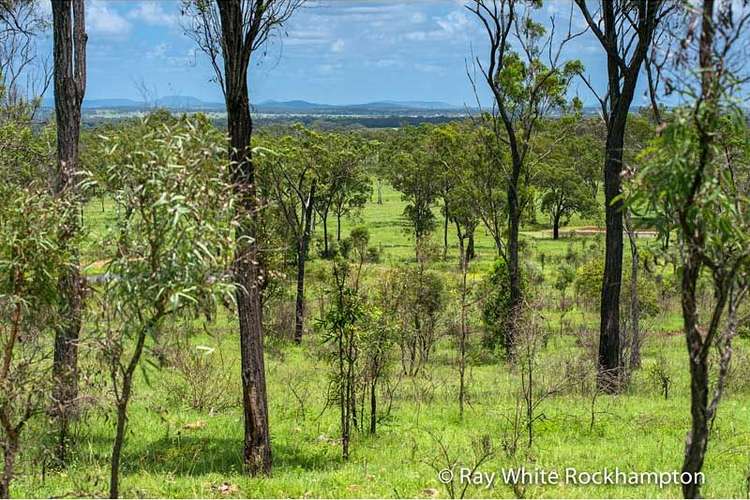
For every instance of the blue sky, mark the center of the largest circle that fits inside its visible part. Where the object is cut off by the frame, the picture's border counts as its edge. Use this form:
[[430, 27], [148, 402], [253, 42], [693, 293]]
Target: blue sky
[[332, 51]]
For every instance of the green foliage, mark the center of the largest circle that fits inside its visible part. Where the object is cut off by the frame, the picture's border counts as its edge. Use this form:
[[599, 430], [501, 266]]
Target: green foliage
[[496, 304], [588, 287]]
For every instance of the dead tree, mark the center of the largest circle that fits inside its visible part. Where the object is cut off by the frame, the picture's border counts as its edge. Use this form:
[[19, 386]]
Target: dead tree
[[70, 84], [230, 32]]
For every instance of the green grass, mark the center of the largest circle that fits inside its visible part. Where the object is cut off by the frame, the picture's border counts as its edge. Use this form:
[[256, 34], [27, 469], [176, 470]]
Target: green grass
[[175, 451]]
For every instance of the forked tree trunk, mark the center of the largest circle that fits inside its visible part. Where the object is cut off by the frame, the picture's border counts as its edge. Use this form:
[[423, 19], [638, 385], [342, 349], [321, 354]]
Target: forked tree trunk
[[257, 446], [70, 83]]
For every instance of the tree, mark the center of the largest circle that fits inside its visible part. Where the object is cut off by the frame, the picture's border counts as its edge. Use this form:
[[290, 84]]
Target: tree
[[695, 185], [525, 87], [562, 176], [292, 178], [442, 144], [70, 84], [415, 178], [32, 260], [232, 31], [625, 31], [169, 249]]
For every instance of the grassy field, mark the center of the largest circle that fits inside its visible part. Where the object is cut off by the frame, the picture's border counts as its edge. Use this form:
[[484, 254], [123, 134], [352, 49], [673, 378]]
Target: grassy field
[[173, 450]]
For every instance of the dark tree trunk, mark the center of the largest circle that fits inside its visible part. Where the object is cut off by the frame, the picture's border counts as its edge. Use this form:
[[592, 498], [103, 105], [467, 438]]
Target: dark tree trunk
[[257, 445], [10, 449], [610, 362], [70, 84], [373, 407], [470, 252], [299, 325], [114, 477], [514, 270], [697, 439], [445, 231], [556, 227], [338, 226]]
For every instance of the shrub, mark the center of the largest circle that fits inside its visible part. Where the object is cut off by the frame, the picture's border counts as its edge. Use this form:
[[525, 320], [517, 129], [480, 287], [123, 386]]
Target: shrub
[[496, 306]]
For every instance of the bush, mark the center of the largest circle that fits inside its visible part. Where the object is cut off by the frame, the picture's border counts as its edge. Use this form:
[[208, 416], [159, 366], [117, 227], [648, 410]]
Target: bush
[[588, 288], [496, 305]]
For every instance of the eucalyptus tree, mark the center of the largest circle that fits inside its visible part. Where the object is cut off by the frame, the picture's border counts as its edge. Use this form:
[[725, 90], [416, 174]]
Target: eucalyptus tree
[[442, 145], [625, 30], [563, 176], [291, 179], [169, 249], [33, 259], [527, 80], [230, 32], [695, 185], [414, 177]]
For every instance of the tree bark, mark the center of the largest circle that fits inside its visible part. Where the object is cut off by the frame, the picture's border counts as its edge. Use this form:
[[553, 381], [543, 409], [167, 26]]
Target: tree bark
[[69, 34], [236, 56]]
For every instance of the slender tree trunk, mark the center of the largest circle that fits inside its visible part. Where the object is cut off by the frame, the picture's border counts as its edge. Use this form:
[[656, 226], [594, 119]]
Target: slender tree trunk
[[70, 84], [380, 192], [338, 226], [470, 252], [464, 333], [445, 230], [635, 306], [114, 477], [514, 270], [373, 407], [324, 218], [697, 439], [299, 325]]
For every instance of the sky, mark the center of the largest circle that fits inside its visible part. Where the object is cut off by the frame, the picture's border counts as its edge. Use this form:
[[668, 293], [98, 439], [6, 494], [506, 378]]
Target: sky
[[331, 52]]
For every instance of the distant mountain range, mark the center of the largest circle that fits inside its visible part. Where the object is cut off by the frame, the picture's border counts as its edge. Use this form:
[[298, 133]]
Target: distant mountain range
[[189, 103]]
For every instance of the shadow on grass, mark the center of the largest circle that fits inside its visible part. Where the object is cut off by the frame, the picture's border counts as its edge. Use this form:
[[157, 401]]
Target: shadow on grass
[[195, 456]]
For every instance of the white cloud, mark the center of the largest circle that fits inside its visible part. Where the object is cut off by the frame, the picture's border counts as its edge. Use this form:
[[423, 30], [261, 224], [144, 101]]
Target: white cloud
[[101, 20], [151, 12], [337, 46]]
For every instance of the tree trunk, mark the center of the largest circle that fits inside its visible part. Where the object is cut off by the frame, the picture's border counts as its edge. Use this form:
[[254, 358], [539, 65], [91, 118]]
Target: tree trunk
[[470, 252], [326, 251], [556, 227], [114, 476], [635, 307], [373, 407], [380, 192], [70, 83], [10, 449], [445, 231], [301, 259], [338, 226], [236, 56], [514, 270], [610, 362]]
